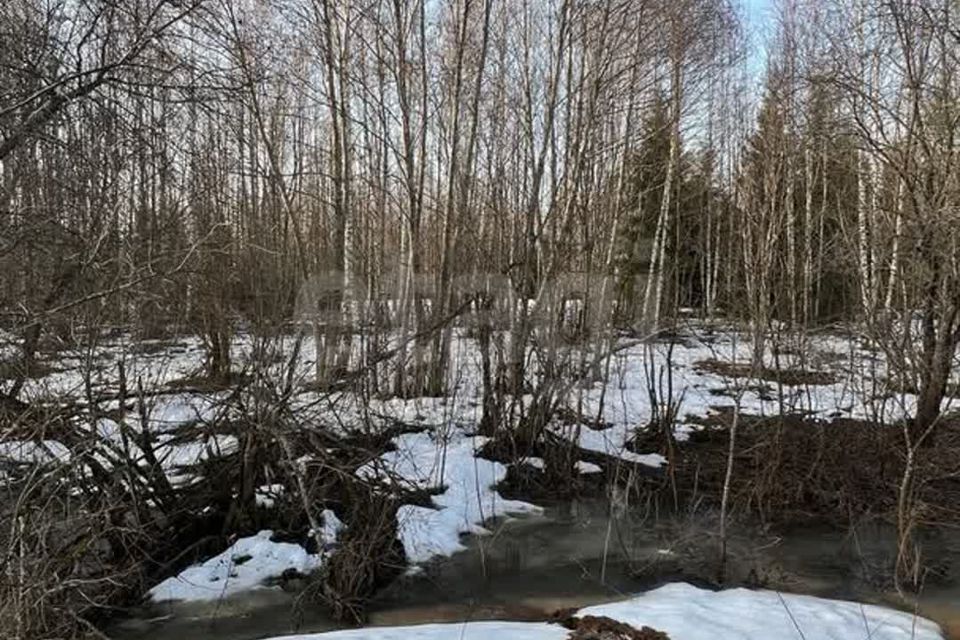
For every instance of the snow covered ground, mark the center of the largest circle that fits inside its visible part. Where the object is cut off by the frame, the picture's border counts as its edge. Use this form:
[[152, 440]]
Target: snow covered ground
[[442, 457], [684, 612], [246, 565], [465, 631], [468, 500], [624, 402]]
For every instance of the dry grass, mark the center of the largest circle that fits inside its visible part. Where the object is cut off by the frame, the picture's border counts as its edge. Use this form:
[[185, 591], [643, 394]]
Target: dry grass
[[789, 376], [793, 466], [604, 628]]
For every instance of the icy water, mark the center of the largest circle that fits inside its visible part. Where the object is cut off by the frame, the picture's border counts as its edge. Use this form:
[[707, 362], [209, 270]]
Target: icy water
[[578, 555]]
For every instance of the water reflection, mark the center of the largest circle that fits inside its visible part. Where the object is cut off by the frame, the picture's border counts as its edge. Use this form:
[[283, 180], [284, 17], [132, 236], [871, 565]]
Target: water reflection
[[577, 555]]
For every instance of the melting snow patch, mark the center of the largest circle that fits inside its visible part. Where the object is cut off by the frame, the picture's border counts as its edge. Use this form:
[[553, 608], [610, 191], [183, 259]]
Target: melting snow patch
[[469, 498], [245, 565], [687, 613], [613, 442], [581, 466], [465, 631], [684, 612], [329, 529], [172, 412], [34, 452], [268, 494], [536, 463], [588, 467]]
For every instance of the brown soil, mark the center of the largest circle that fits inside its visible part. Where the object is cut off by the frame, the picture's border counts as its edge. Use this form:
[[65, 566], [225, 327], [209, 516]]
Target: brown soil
[[788, 377], [604, 628], [796, 466], [559, 480]]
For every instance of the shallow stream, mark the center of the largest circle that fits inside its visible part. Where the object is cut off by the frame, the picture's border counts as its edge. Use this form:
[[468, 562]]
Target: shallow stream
[[578, 554]]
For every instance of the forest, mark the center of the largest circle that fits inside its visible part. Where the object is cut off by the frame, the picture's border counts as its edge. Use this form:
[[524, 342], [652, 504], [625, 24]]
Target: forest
[[485, 315]]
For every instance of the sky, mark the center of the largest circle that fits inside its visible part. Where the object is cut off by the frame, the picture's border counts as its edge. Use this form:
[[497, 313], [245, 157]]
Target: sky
[[759, 13], [759, 16]]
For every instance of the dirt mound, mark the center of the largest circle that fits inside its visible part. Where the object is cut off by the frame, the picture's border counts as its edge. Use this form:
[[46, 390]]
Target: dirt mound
[[604, 628]]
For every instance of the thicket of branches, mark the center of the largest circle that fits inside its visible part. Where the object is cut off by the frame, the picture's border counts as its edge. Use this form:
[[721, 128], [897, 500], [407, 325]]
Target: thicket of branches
[[192, 166], [385, 167]]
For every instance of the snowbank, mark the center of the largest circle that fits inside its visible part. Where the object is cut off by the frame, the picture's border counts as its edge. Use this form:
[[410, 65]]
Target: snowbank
[[688, 613], [245, 565], [469, 499], [463, 631]]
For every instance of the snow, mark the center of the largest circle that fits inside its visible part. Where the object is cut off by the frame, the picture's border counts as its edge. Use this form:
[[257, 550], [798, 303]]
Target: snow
[[176, 457], [580, 466], [33, 452], [420, 461], [685, 612], [469, 499], [536, 463], [442, 458], [624, 403], [172, 412], [246, 565], [329, 529], [464, 631], [612, 442], [267, 495], [587, 467], [229, 572]]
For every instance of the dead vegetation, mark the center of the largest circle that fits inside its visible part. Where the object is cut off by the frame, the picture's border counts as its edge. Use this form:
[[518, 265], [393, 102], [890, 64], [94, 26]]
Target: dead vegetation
[[367, 557], [559, 478], [796, 467], [604, 628], [89, 534], [782, 376]]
